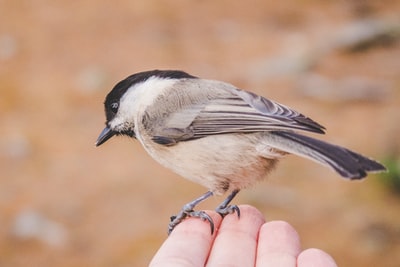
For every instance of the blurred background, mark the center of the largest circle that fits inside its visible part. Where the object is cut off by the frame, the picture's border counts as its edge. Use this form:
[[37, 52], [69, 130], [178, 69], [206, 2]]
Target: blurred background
[[64, 202]]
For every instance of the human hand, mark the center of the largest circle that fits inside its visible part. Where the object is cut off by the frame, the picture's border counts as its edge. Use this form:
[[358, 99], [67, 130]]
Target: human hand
[[248, 241]]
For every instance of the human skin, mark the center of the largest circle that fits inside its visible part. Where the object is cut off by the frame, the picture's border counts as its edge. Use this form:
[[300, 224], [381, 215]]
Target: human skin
[[244, 241]]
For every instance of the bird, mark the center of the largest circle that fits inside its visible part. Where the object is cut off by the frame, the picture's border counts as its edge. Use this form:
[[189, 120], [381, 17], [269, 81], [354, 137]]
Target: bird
[[217, 135]]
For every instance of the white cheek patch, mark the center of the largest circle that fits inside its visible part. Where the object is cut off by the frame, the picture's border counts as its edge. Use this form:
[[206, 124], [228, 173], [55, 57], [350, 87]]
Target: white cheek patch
[[136, 100], [142, 95]]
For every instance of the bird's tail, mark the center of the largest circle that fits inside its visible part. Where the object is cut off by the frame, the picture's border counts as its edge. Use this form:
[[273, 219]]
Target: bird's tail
[[345, 162]]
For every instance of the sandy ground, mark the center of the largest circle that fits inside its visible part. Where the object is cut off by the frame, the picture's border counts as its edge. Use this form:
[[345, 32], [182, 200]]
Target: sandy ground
[[64, 202]]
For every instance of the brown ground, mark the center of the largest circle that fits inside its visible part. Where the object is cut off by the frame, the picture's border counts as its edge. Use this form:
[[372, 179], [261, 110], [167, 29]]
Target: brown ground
[[64, 202]]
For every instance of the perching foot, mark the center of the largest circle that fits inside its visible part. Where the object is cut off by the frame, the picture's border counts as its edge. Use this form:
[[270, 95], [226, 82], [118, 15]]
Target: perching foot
[[187, 211], [175, 220], [223, 211], [224, 208]]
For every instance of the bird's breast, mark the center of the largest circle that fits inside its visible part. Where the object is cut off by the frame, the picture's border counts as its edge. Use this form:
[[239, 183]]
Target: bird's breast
[[219, 162]]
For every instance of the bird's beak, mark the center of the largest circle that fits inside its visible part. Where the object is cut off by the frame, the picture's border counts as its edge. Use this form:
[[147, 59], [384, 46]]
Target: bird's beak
[[106, 134]]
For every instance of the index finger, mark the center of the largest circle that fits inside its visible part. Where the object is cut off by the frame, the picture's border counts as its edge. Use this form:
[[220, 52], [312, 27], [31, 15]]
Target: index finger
[[188, 244]]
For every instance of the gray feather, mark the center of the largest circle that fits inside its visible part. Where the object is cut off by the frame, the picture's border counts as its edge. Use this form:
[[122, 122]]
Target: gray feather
[[200, 110], [344, 161]]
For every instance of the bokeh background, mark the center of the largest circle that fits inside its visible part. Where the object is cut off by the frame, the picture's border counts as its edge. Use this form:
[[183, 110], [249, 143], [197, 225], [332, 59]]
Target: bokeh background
[[64, 202]]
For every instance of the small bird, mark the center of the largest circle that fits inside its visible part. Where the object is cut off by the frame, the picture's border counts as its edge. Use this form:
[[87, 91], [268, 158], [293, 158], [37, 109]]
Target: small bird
[[217, 135]]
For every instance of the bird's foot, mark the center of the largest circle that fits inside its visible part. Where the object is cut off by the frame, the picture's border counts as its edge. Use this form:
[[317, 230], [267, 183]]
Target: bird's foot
[[225, 210], [188, 211], [177, 219]]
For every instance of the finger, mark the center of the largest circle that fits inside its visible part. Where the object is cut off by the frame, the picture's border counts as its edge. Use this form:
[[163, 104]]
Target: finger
[[278, 245], [315, 257], [188, 244], [236, 241]]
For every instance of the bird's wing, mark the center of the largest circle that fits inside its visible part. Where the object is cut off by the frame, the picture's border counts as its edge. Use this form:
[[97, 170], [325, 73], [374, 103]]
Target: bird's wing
[[228, 111]]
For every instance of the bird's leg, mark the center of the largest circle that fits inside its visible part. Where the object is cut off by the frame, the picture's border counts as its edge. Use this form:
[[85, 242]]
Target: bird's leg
[[224, 208], [187, 211]]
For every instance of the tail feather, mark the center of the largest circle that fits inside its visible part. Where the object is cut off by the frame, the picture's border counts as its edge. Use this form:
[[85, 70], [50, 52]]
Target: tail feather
[[347, 163]]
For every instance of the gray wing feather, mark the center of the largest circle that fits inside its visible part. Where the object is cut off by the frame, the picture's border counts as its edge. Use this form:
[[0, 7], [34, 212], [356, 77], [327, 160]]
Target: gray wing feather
[[248, 112], [224, 110]]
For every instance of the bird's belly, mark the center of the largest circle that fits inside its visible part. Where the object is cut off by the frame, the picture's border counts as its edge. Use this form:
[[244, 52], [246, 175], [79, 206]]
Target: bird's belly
[[221, 162]]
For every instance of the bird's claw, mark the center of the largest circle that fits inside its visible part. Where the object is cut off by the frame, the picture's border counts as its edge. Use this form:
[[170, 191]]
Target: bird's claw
[[177, 219], [225, 210]]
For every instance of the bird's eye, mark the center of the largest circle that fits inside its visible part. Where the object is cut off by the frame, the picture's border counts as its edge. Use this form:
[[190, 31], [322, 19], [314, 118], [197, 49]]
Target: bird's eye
[[114, 107]]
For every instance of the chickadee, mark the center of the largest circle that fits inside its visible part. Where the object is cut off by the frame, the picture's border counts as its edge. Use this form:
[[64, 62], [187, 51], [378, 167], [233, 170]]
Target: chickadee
[[217, 135]]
